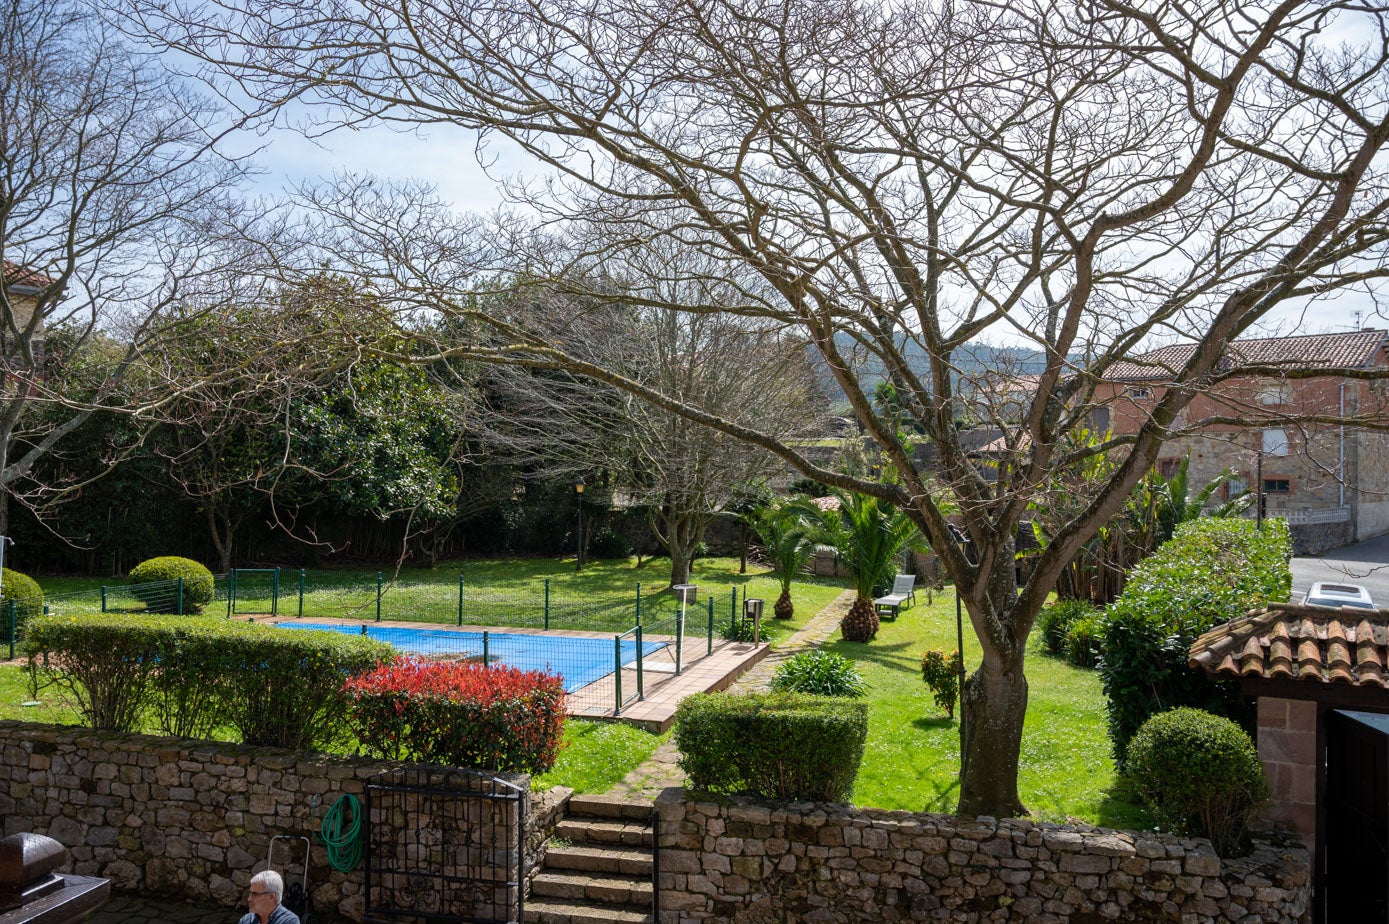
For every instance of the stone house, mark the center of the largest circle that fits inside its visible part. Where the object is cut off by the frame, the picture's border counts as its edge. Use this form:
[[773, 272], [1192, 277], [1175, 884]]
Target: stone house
[[1321, 680], [1270, 417], [20, 291]]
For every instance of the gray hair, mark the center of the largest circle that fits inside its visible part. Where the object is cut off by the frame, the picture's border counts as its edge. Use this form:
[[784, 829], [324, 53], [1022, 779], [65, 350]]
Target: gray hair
[[272, 882]]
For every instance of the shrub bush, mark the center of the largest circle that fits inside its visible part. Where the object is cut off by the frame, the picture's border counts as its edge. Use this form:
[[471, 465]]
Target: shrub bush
[[941, 674], [1085, 640], [1199, 774], [777, 745], [1055, 621], [459, 714], [607, 544], [820, 673], [148, 578], [1211, 571], [27, 597], [274, 686]]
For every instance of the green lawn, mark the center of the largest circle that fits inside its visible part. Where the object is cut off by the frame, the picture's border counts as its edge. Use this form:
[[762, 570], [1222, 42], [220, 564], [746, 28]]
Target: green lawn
[[912, 756]]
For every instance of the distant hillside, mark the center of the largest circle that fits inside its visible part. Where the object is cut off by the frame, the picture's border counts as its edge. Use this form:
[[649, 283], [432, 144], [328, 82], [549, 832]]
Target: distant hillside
[[973, 359]]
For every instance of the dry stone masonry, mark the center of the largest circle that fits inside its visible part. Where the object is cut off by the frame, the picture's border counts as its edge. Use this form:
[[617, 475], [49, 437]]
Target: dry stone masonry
[[188, 819], [741, 861]]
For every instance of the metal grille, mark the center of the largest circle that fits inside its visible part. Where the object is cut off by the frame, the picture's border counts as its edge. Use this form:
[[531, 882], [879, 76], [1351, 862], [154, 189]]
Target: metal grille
[[444, 845]]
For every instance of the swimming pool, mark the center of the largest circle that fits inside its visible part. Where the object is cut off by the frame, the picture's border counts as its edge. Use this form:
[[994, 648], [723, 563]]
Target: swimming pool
[[580, 660]]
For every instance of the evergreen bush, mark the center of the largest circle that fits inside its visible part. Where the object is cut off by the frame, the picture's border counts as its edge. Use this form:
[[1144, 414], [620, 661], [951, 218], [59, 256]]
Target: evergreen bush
[[149, 583], [500, 719], [1199, 774], [1085, 640], [941, 674], [776, 745], [1054, 622], [27, 596], [820, 673], [1211, 571]]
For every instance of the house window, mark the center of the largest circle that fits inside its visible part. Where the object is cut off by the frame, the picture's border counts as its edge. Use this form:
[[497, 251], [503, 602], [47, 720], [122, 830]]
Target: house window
[[1139, 393], [1274, 395], [1276, 442], [1168, 467], [1235, 486], [1278, 486]]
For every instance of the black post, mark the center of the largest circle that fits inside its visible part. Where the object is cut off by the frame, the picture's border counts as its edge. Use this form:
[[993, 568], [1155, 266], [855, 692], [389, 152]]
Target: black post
[[1259, 487], [579, 497], [960, 648]]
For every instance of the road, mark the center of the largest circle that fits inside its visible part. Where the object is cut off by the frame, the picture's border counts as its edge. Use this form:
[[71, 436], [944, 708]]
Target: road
[[1364, 563]]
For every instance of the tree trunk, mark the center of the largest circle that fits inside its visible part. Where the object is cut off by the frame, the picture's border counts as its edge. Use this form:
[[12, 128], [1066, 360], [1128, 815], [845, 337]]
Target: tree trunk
[[994, 704], [220, 541]]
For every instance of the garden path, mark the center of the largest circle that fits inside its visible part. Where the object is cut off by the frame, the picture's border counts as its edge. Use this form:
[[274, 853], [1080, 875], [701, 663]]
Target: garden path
[[662, 770]]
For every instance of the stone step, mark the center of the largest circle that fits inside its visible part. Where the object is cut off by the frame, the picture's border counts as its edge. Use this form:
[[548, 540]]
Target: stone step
[[550, 912], [594, 887], [628, 861], [579, 830], [602, 806]]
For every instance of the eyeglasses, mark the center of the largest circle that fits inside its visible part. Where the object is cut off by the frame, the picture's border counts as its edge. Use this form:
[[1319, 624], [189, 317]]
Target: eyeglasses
[[252, 893]]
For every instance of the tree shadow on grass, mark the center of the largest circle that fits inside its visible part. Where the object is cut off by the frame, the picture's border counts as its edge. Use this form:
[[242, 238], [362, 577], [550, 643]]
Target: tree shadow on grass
[[933, 723]]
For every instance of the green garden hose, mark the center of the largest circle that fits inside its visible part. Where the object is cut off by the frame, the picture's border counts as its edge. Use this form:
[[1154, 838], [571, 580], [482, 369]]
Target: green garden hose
[[342, 833]]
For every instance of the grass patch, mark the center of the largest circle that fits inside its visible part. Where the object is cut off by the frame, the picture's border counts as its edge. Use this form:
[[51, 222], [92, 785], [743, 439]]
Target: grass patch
[[912, 757], [598, 755]]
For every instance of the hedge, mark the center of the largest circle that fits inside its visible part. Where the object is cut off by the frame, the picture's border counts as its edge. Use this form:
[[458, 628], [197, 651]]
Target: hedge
[[777, 745], [188, 675], [459, 714], [1211, 571], [147, 577], [27, 597], [1199, 774]]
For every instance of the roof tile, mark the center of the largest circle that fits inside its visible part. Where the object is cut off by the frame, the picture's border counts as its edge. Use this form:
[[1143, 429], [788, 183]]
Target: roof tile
[[1312, 643], [1345, 350], [16, 275]]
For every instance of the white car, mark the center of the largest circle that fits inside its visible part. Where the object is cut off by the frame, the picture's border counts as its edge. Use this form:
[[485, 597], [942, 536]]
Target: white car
[[1325, 593]]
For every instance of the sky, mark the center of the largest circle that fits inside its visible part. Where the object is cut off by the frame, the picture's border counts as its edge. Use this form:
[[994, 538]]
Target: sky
[[447, 158]]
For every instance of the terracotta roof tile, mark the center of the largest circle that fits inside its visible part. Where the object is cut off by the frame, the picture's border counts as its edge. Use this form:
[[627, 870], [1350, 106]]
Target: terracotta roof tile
[[1312, 643], [1350, 349], [16, 275]]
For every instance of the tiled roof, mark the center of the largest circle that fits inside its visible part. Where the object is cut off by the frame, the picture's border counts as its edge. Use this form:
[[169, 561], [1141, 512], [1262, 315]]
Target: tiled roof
[[1350, 349], [1312, 643], [16, 275]]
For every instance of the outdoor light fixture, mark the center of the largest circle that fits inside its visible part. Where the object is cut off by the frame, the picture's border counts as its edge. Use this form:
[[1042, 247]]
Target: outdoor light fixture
[[752, 609], [579, 496]]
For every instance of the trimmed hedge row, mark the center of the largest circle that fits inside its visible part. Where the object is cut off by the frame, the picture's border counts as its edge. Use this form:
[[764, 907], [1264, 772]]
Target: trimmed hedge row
[[195, 673], [1211, 571], [459, 714], [777, 745]]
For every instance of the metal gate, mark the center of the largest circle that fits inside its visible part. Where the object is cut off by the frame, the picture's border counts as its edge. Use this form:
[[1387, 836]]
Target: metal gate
[[444, 845], [1356, 854]]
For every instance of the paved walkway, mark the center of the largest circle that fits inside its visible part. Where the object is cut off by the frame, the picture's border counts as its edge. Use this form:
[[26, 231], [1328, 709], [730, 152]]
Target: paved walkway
[[662, 769]]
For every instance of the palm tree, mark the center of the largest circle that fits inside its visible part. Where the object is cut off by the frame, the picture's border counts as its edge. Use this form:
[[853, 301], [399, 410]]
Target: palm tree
[[786, 541], [869, 535]]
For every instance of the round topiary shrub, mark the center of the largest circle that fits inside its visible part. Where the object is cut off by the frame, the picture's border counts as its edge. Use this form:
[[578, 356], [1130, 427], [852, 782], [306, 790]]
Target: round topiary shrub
[[822, 673], [150, 583], [1199, 774], [27, 597]]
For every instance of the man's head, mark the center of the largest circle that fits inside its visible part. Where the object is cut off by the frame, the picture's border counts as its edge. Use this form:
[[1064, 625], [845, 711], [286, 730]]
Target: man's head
[[265, 891]]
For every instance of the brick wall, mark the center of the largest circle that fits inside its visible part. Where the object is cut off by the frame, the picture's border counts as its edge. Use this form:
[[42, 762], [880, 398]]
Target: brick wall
[[738, 860], [189, 819], [1288, 750]]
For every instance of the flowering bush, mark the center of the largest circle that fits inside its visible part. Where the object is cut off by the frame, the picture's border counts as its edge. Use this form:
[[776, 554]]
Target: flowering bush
[[459, 714]]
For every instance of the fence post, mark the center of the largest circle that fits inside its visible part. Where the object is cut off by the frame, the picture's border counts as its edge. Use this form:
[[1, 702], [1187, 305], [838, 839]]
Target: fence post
[[301, 594], [679, 637], [547, 604], [231, 592], [378, 596], [639, 603], [486, 661], [275, 592], [13, 629], [641, 692], [617, 674], [460, 600], [180, 596], [103, 598], [710, 600]]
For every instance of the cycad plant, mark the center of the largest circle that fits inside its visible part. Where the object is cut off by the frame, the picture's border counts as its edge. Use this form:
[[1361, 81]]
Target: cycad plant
[[786, 541], [869, 536]]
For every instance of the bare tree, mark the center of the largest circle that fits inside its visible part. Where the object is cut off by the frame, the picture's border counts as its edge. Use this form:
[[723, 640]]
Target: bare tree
[[113, 205], [1080, 177]]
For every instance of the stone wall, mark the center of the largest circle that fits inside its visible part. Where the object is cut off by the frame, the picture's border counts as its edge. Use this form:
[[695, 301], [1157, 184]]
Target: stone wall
[[189, 819], [742, 861], [1316, 538]]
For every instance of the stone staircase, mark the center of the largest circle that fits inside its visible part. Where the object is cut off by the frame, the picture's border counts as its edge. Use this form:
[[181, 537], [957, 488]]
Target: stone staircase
[[603, 876]]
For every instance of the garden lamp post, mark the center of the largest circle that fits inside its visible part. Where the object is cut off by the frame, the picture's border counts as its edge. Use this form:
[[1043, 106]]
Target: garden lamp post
[[964, 543], [579, 496]]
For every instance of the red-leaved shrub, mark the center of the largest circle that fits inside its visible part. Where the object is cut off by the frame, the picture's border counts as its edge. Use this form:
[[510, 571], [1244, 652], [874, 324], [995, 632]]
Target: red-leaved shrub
[[459, 715]]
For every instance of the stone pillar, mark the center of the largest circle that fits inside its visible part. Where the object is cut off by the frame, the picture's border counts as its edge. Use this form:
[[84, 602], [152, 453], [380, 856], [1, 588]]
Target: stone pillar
[[1288, 751]]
